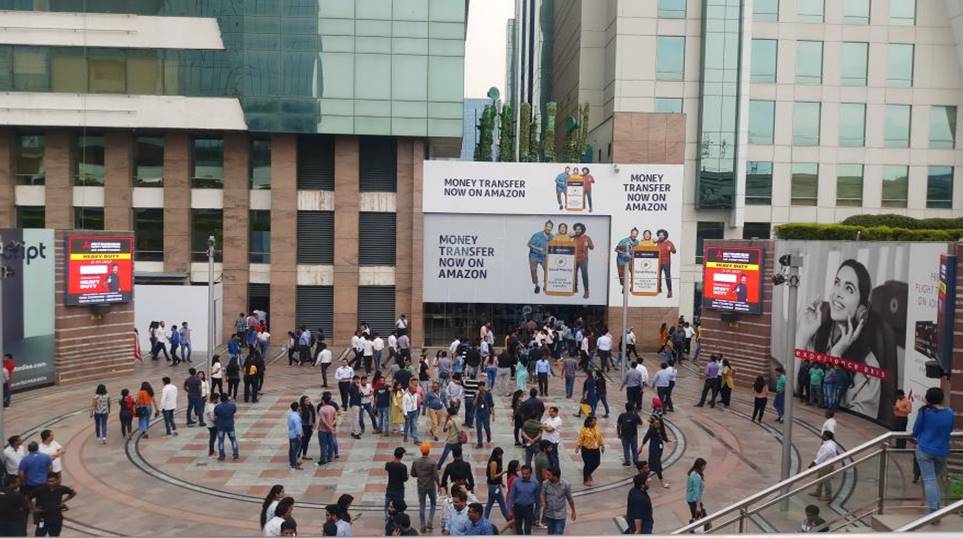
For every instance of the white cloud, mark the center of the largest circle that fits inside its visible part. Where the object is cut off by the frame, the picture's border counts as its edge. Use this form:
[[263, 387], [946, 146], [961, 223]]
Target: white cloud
[[485, 46]]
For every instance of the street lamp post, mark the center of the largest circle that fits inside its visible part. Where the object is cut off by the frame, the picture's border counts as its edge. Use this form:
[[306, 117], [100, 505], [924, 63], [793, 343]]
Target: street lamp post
[[625, 315], [210, 303], [793, 262]]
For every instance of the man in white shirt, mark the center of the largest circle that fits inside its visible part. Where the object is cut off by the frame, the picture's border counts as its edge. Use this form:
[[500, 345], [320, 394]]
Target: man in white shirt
[[551, 425], [12, 454], [343, 376], [827, 451], [630, 345], [453, 348], [53, 449], [409, 405], [401, 324], [604, 346], [357, 345], [367, 351], [377, 346], [830, 424], [168, 405], [324, 360], [689, 332], [645, 373]]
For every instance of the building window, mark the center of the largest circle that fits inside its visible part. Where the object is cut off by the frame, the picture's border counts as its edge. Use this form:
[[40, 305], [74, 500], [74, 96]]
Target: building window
[[759, 183], [669, 57], [31, 71], [667, 105], [89, 161], [757, 230], [259, 242], [90, 70], [376, 238], [810, 10], [707, 230], [805, 124], [89, 218], [207, 161], [672, 9], [939, 187], [849, 185], [107, 70], [149, 234], [205, 223], [316, 237], [902, 12], [765, 10], [376, 307], [316, 162], [804, 187], [31, 216], [763, 65], [29, 159], [853, 58], [809, 62], [895, 185], [899, 65], [852, 124], [260, 164], [761, 115], [149, 161], [378, 164], [856, 11], [942, 127], [897, 130]]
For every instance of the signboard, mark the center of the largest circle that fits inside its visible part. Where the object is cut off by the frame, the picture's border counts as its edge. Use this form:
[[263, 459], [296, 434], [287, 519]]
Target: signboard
[[732, 279], [100, 269], [946, 311], [498, 259], [641, 203], [27, 294]]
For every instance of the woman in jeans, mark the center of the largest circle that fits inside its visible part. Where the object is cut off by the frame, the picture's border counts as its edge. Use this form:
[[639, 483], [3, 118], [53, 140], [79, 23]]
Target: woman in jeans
[[591, 445], [694, 486], [493, 474], [99, 410], [126, 405], [932, 433], [145, 404]]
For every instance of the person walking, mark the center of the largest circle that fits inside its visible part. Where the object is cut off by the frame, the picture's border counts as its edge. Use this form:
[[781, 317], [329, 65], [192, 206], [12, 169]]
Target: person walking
[[354, 406], [210, 420], [638, 511], [185, 337], [694, 490], [146, 403], [551, 433], [233, 371], [656, 437], [382, 402], [436, 409], [591, 445], [323, 360], [827, 451], [632, 383], [569, 366], [524, 494], [555, 493], [397, 476], [760, 397], [48, 504], [454, 436], [711, 381], [217, 374], [327, 429], [727, 378], [542, 370], [409, 405], [195, 403], [99, 411], [127, 408], [426, 471], [168, 405], [343, 375], [600, 389], [780, 400], [503, 377], [309, 421], [932, 429], [484, 406], [661, 380], [493, 479], [627, 428], [224, 413]]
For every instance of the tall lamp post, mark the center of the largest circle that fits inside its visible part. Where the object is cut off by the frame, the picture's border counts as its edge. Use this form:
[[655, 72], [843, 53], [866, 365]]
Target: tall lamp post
[[210, 303], [791, 263]]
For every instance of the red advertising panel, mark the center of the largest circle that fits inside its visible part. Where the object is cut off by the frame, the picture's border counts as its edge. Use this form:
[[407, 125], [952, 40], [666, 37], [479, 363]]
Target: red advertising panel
[[732, 279], [100, 269]]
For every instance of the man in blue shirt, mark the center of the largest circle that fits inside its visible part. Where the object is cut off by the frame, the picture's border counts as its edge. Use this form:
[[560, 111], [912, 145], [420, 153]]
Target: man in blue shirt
[[537, 250], [624, 250], [224, 420], [523, 494], [561, 181], [295, 432], [478, 524], [34, 467], [713, 378]]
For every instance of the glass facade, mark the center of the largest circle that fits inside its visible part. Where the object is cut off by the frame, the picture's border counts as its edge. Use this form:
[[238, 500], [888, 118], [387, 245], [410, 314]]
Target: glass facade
[[763, 65], [672, 9], [89, 218], [902, 12], [757, 230], [939, 187], [804, 185], [149, 161], [759, 183], [897, 130], [260, 163], [856, 11], [207, 163], [942, 127], [849, 185], [805, 124], [378, 67], [895, 185], [810, 10], [761, 116], [149, 234], [669, 57], [809, 62], [259, 247], [88, 160], [853, 58], [765, 10], [205, 223], [31, 216], [668, 105], [721, 45], [899, 65], [852, 124], [707, 230], [28, 161]]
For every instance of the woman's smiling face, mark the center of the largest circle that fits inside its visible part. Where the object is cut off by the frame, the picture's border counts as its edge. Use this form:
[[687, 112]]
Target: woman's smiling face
[[844, 299]]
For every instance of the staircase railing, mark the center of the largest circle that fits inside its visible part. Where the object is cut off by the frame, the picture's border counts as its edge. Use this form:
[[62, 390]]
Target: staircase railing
[[932, 517]]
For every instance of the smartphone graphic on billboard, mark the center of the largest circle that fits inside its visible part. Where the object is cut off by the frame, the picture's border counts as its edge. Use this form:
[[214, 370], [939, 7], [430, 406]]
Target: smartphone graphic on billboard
[[560, 268], [645, 270]]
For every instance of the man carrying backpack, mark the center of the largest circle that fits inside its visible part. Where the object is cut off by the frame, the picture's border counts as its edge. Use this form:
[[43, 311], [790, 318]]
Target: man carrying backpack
[[250, 378]]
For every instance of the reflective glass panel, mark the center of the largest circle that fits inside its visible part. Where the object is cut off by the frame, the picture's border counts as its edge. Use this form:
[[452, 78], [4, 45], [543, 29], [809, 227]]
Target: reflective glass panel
[[897, 131], [759, 183], [809, 62], [29, 159], [856, 11], [89, 161], [939, 187], [805, 124], [902, 12], [853, 58], [760, 121], [149, 161], [763, 65], [260, 163], [260, 239], [852, 124], [849, 185], [670, 105], [670, 57], [672, 9], [810, 10], [208, 163], [942, 127], [895, 185], [765, 10], [899, 65], [804, 186]]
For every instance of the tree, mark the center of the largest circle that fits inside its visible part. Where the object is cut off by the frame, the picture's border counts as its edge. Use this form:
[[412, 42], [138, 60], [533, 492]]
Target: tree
[[506, 136], [486, 137], [524, 132], [548, 132]]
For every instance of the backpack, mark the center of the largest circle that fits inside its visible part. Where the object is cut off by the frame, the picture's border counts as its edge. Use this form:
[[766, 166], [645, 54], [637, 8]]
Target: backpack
[[127, 407]]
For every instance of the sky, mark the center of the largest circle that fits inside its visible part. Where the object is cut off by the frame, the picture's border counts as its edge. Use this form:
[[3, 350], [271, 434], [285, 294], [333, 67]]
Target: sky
[[485, 46]]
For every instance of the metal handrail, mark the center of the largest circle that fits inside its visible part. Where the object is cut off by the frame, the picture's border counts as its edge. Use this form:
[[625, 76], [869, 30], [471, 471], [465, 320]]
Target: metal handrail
[[741, 506], [932, 517]]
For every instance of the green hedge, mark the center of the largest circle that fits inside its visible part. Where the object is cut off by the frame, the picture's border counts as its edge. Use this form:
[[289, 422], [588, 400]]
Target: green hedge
[[900, 221], [848, 232]]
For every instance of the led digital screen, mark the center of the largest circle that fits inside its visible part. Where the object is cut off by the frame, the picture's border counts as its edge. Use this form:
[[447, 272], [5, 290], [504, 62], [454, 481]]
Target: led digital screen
[[100, 269], [732, 279]]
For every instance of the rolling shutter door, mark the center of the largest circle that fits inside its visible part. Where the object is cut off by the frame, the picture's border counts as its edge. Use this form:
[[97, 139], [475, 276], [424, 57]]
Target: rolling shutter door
[[376, 239], [376, 305], [316, 237], [315, 308], [316, 163], [378, 168]]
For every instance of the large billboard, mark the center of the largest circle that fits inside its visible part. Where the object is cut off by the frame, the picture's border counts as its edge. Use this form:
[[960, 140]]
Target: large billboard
[[100, 269], [861, 305], [27, 267], [732, 279], [493, 254], [643, 204]]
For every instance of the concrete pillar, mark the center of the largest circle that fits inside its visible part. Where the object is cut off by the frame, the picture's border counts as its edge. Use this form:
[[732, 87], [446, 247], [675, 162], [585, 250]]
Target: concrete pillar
[[403, 231], [8, 211], [284, 231], [346, 204], [59, 213], [118, 187], [177, 202], [415, 313], [237, 149]]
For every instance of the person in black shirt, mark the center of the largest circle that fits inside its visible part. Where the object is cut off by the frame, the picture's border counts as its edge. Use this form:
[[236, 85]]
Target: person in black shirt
[[533, 407], [13, 509], [627, 428], [459, 471], [472, 361], [397, 476], [403, 376], [403, 525], [638, 511], [395, 509], [49, 503]]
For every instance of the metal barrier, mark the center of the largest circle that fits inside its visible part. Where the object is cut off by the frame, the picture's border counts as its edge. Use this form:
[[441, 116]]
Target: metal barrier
[[873, 463]]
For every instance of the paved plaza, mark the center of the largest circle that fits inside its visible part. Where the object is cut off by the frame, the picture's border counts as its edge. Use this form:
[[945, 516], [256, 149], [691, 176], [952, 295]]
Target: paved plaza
[[169, 486]]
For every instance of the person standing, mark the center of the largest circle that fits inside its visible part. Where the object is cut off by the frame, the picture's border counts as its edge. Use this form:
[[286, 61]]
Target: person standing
[[555, 493], [600, 389], [459, 471], [760, 397], [630, 340], [174, 338], [827, 451], [185, 338], [728, 381], [8, 367], [168, 405], [12, 454], [195, 403], [694, 490], [902, 409], [323, 360], [354, 406], [34, 468], [295, 433], [816, 374], [250, 378], [627, 429], [542, 370], [569, 365], [604, 347], [409, 406], [99, 410], [210, 420], [50, 447], [829, 386], [14, 509], [632, 383], [382, 402], [217, 374], [48, 504], [638, 512], [531, 435], [591, 445], [484, 414], [397, 476], [426, 471], [661, 381], [523, 494], [224, 414], [343, 375], [145, 404], [377, 349], [309, 421], [233, 371], [551, 433], [932, 429], [711, 382], [327, 423], [780, 400]]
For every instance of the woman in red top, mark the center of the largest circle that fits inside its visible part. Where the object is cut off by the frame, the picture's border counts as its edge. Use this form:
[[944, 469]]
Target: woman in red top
[[666, 250]]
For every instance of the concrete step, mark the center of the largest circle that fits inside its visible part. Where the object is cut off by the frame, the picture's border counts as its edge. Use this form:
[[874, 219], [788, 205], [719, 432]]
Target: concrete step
[[896, 518]]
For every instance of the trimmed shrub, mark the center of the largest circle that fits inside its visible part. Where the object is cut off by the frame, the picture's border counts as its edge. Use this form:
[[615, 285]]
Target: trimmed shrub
[[900, 221], [844, 232]]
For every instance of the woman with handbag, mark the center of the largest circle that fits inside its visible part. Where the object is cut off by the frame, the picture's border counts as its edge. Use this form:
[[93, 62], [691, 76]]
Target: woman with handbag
[[694, 487], [144, 405]]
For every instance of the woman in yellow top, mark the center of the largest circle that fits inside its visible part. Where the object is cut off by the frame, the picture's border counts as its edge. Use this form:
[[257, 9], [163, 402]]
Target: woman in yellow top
[[591, 444], [728, 382], [397, 416]]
